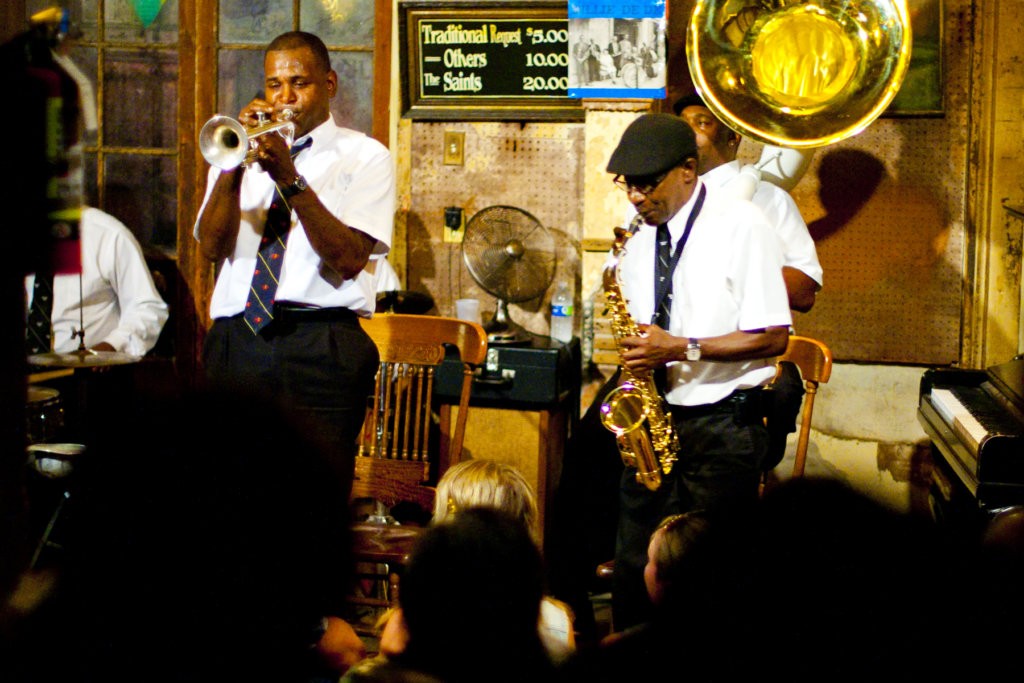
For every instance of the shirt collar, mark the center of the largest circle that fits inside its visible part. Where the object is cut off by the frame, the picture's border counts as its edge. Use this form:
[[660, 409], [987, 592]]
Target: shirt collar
[[722, 174], [677, 223], [321, 134]]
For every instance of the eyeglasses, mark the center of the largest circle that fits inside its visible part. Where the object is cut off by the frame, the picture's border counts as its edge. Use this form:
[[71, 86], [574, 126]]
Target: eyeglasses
[[644, 185]]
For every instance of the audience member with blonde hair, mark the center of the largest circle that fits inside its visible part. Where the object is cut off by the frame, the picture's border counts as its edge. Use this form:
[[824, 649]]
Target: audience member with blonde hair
[[490, 484], [486, 483]]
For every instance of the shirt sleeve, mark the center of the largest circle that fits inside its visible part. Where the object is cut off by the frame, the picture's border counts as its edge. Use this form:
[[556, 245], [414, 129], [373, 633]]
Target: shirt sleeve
[[367, 194], [756, 276], [798, 248], [143, 311]]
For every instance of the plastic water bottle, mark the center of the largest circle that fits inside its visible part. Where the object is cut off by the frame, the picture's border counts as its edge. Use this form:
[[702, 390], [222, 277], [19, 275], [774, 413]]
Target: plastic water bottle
[[562, 313]]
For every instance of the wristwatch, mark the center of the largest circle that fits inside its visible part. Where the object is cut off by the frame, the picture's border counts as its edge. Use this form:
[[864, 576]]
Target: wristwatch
[[693, 350], [298, 185]]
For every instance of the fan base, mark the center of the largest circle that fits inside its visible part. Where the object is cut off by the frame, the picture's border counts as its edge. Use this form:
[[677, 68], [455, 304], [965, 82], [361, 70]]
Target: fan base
[[506, 334]]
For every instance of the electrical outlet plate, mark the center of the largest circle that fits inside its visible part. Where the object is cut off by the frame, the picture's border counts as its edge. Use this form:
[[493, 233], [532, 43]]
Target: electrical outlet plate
[[454, 235], [454, 147]]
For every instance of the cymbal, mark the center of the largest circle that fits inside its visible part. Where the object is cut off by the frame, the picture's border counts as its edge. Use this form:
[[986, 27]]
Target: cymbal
[[82, 359], [404, 301]]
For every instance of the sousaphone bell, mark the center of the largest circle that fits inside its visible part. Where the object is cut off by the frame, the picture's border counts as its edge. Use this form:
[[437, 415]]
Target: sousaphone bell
[[797, 73], [226, 143]]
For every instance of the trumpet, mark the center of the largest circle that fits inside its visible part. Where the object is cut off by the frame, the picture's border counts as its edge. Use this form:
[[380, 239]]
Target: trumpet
[[226, 143]]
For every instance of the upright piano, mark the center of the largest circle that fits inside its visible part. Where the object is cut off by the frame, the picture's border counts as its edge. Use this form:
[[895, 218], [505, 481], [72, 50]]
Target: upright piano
[[975, 420]]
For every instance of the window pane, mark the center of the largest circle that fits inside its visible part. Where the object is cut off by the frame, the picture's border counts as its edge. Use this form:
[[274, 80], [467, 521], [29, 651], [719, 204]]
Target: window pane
[[239, 81], [141, 191], [353, 105], [92, 197], [254, 21], [140, 98], [345, 23], [147, 22]]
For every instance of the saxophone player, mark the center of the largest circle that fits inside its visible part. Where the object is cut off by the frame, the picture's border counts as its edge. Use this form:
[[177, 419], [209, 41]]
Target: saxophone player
[[703, 279]]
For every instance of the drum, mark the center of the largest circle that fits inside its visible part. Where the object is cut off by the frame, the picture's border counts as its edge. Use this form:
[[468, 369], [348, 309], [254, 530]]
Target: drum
[[54, 460], [45, 414]]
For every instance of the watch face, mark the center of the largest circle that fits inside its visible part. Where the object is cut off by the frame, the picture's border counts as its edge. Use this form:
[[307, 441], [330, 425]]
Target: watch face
[[693, 352], [297, 186]]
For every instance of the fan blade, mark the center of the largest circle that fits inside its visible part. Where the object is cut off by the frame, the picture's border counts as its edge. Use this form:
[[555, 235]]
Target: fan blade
[[524, 276]]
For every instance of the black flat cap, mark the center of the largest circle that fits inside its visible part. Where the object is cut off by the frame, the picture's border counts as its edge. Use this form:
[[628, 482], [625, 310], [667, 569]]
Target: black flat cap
[[691, 100], [651, 144]]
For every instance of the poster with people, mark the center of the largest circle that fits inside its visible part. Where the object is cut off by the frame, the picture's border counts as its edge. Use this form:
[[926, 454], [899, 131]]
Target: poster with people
[[617, 49]]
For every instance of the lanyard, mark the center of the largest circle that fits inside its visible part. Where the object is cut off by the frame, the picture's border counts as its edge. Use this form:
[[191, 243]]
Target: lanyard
[[661, 289]]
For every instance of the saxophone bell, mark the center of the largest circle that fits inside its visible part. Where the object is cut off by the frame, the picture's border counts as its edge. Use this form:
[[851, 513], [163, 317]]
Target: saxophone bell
[[624, 413]]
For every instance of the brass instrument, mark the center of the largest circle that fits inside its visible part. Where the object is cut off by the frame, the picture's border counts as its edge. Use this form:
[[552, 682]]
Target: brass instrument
[[634, 411], [798, 73], [226, 143]]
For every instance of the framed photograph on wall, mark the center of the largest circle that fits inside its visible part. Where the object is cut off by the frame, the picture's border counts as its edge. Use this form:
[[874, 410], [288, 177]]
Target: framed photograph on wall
[[922, 91], [618, 49]]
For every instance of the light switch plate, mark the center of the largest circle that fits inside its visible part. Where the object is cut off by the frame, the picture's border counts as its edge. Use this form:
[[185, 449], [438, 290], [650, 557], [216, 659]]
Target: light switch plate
[[454, 147]]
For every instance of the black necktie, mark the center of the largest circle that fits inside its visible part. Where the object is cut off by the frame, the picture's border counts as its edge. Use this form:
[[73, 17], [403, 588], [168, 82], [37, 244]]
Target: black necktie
[[662, 276], [664, 266], [38, 327], [259, 308]]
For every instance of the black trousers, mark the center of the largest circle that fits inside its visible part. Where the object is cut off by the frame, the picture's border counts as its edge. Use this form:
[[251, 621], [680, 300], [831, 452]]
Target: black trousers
[[318, 364], [722, 448]]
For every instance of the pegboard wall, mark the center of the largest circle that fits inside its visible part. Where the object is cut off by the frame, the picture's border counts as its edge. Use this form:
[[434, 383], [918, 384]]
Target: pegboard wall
[[536, 167], [887, 212], [886, 209]]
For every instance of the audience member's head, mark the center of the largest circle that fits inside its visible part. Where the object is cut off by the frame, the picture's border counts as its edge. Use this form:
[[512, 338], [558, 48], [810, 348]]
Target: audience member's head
[[486, 483], [666, 552], [204, 540], [470, 599]]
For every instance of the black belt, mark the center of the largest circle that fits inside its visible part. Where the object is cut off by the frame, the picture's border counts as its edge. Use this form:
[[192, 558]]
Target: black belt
[[748, 401], [312, 314]]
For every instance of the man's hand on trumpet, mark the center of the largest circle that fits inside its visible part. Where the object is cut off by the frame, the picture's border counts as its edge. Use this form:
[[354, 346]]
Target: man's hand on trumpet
[[256, 113], [273, 155], [271, 151]]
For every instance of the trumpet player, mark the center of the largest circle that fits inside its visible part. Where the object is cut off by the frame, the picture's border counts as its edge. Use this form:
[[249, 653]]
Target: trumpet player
[[703, 278], [296, 234]]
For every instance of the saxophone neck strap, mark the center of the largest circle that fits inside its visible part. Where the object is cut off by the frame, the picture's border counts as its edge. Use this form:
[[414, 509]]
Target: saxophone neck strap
[[662, 289]]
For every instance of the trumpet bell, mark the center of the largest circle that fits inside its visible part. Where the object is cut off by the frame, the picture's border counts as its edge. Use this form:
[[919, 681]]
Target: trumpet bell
[[798, 73], [223, 142]]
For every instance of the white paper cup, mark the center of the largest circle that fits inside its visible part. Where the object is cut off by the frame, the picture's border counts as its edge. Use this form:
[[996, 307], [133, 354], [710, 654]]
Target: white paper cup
[[468, 309]]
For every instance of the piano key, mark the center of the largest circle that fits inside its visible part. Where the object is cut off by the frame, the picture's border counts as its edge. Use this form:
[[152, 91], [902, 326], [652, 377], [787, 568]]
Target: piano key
[[958, 415], [986, 409]]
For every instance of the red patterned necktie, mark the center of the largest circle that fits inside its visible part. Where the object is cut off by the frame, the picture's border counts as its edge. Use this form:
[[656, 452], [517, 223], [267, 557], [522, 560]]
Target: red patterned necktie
[[259, 308]]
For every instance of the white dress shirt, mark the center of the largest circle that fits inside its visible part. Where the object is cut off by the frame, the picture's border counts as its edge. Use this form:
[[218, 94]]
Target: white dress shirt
[[728, 278], [117, 302], [798, 250], [353, 176]]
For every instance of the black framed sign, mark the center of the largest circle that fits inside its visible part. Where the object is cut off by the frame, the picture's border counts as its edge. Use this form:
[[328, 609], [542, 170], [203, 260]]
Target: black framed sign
[[486, 60]]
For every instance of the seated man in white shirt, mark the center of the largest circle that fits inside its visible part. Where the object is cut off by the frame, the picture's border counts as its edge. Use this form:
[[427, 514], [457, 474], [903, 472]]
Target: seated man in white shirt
[[114, 301]]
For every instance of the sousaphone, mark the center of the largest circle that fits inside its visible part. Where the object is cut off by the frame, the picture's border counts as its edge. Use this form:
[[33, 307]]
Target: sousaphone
[[798, 74]]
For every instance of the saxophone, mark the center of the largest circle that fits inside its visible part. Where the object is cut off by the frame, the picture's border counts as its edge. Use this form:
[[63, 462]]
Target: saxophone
[[634, 411]]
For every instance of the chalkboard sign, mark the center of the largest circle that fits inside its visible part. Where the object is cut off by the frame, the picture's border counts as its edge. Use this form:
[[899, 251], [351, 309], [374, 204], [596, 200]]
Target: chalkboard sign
[[491, 60]]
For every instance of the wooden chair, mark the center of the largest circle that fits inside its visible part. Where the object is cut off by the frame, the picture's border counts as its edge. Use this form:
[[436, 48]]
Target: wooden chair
[[814, 361], [402, 435]]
